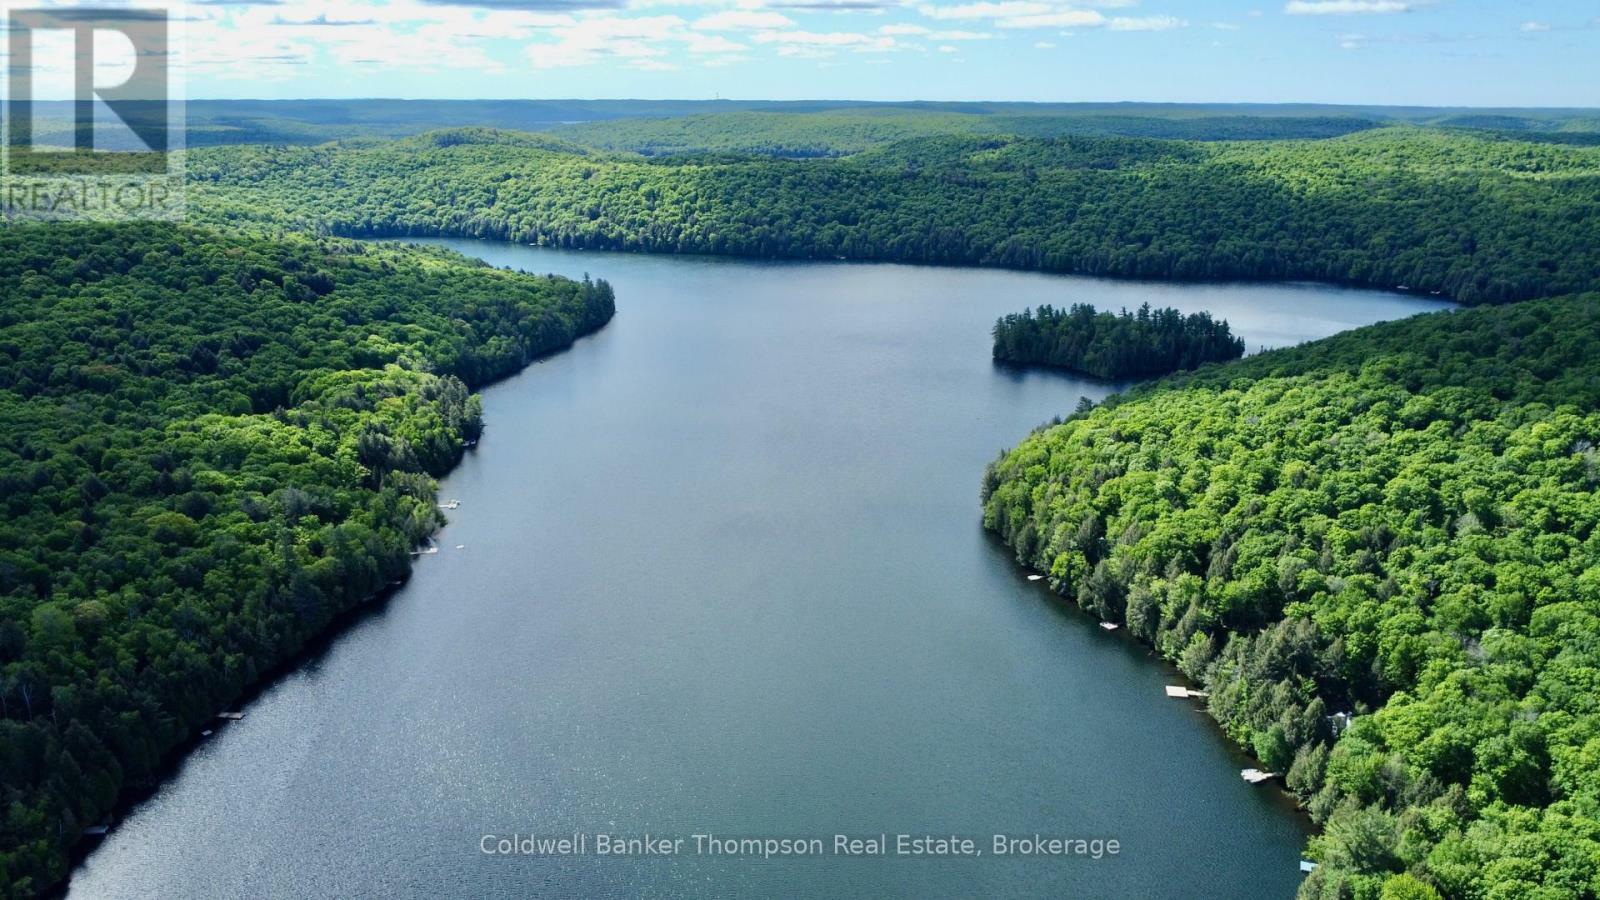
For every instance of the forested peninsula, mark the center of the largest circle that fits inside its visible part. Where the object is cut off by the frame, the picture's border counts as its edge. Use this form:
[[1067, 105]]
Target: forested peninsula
[[1479, 219], [1114, 346], [213, 446], [1379, 554]]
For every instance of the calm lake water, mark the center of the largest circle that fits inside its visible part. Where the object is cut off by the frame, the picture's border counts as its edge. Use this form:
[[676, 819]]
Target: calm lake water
[[721, 570]]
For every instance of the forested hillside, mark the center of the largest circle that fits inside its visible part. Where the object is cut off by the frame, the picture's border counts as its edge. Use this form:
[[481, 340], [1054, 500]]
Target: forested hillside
[[1111, 345], [1401, 525], [212, 446], [216, 441], [845, 131], [803, 127], [1480, 220]]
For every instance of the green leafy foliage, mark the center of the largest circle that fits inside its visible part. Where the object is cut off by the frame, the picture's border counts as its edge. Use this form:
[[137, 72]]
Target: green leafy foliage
[[213, 446], [841, 132], [1106, 345], [1480, 220], [1399, 525]]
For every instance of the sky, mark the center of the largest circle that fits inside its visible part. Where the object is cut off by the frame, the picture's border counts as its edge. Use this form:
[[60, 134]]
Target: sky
[[1394, 52]]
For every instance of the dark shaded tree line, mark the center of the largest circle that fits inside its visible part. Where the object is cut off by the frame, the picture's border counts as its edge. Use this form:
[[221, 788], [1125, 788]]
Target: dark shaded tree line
[[1479, 220], [1112, 346]]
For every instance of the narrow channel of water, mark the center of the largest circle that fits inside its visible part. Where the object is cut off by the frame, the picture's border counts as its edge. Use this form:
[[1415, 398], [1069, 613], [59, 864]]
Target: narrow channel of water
[[719, 569]]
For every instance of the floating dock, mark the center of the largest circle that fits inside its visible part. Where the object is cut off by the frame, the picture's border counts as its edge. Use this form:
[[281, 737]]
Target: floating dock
[[1178, 690], [1307, 865]]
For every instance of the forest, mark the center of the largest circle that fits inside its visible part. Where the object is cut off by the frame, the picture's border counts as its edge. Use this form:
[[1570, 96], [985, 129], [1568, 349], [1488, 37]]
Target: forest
[[842, 132], [213, 446], [1478, 219], [1114, 346], [812, 128], [1377, 551], [1379, 554]]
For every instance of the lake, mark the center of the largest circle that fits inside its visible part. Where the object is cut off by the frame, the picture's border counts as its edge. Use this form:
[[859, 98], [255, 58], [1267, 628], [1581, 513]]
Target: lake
[[720, 570]]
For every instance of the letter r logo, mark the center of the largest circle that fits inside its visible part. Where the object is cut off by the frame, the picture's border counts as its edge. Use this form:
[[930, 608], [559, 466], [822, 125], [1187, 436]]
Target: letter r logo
[[140, 102]]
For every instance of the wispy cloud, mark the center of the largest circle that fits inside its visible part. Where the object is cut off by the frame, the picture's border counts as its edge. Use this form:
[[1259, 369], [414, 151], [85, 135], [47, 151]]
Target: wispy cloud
[[1344, 7], [1147, 23], [744, 20]]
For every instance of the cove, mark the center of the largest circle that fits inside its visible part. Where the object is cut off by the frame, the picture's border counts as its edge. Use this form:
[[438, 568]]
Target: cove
[[719, 570]]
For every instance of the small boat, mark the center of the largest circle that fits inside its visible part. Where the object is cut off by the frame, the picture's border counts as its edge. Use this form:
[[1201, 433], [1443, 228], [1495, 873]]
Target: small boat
[[206, 733], [96, 830], [1035, 577], [1256, 776], [230, 716], [1109, 626]]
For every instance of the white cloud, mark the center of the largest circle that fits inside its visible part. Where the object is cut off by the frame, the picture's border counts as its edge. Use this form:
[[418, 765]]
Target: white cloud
[[1148, 23], [743, 20], [1002, 10], [1071, 18], [959, 36], [600, 38], [1344, 7], [1535, 26], [1043, 45], [713, 43], [853, 40]]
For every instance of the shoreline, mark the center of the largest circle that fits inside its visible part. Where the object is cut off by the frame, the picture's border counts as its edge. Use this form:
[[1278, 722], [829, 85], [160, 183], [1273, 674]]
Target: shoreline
[[132, 796], [1068, 607], [377, 604], [380, 236]]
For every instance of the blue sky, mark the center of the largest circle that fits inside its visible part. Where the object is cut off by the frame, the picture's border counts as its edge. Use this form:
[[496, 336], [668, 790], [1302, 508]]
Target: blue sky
[[1433, 52]]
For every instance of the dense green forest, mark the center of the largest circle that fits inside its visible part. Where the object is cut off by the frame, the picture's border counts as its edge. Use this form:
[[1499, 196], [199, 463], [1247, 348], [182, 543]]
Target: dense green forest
[[1398, 524], [809, 128], [213, 446], [1478, 219], [216, 443], [846, 131], [1107, 345]]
